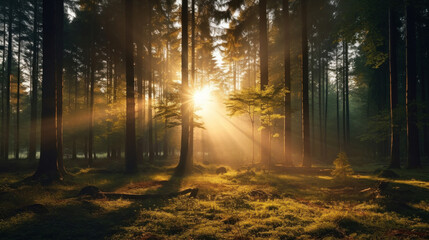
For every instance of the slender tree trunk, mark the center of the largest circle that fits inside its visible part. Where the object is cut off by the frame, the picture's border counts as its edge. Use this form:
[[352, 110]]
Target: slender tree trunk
[[395, 161], [150, 89], [344, 98], [76, 87], [130, 143], [6, 124], [319, 91], [325, 129], [411, 86], [91, 91], [347, 94], [182, 167], [34, 83], [312, 63], [2, 85], [263, 41], [337, 83], [306, 161], [287, 122], [191, 104], [140, 107], [18, 85], [59, 18], [48, 163]]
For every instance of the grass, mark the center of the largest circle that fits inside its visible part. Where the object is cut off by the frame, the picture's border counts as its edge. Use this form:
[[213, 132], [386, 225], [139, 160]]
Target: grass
[[236, 205]]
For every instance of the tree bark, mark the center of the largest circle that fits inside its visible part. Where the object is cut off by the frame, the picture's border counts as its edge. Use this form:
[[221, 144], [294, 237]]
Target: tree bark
[[34, 83], [48, 163], [263, 55], [18, 84], [287, 69], [6, 125], [394, 126], [411, 87], [183, 166], [306, 161], [191, 104], [130, 143], [59, 25]]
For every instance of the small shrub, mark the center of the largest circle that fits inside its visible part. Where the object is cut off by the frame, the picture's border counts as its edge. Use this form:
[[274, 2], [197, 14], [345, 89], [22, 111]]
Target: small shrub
[[342, 166]]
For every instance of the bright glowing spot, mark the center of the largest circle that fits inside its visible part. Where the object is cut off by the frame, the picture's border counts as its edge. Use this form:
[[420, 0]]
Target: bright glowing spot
[[202, 97]]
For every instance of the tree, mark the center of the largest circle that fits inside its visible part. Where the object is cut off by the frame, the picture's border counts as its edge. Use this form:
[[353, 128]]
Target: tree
[[306, 161], [287, 82], [263, 55], [130, 144], [6, 123], [183, 163], [413, 151], [395, 161], [245, 102], [48, 163], [34, 82]]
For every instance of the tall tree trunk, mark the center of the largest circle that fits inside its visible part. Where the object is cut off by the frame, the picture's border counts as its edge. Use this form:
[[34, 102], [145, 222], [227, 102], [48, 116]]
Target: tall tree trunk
[[337, 85], [140, 106], [306, 161], [325, 128], [59, 18], [191, 104], [130, 142], [6, 125], [411, 86], [48, 163], [2, 85], [92, 57], [395, 161], [34, 83], [18, 84], [263, 52], [183, 166], [287, 122], [344, 147], [319, 91], [150, 87], [312, 63], [347, 94], [76, 87]]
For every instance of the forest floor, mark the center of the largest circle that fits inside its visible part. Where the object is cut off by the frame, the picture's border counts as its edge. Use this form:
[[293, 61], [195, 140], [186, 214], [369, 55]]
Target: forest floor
[[236, 205]]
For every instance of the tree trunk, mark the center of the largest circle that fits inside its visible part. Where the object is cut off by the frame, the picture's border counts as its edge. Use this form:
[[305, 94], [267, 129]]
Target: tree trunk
[[59, 18], [263, 52], [130, 143], [6, 125], [140, 106], [48, 163], [18, 85], [411, 86], [183, 166], [93, 63], [347, 94], [150, 88], [306, 161], [34, 83], [337, 83], [395, 161], [191, 105], [2, 85], [287, 121]]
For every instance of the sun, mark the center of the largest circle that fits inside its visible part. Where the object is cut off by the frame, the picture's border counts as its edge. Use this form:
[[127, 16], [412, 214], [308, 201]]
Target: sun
[[202, 97]]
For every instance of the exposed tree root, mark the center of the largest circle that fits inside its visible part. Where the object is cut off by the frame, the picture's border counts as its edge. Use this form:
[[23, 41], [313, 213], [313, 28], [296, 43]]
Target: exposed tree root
[[95, 193]]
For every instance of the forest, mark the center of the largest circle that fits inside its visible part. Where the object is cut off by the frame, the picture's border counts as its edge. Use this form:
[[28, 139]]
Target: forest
[[214, 119]]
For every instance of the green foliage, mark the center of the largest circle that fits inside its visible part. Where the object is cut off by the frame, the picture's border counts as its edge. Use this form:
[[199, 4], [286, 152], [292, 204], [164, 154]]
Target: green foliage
[[342, 166]]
